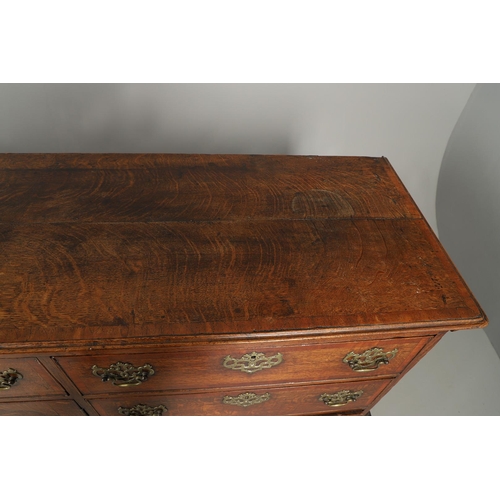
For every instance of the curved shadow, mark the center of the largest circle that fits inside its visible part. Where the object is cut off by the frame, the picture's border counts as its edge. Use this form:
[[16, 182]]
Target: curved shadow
[[468, 201]]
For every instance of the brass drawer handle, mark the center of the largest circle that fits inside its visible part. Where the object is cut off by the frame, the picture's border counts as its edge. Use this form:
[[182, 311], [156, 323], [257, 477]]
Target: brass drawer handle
[[8, 378], [252, 362], [369, 360], [124, 374], [141, 410], [246, 399], [340, 398]]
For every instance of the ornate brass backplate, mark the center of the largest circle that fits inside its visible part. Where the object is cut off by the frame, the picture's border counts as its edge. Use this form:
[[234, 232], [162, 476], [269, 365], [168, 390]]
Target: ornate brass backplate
[[252, 362], [340, 398], [369, 360], [246, 399], [8, 378], [141, 410], [124, 374]]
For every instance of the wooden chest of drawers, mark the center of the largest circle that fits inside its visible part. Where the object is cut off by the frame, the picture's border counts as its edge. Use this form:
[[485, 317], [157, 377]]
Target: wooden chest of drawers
[[214, 284]]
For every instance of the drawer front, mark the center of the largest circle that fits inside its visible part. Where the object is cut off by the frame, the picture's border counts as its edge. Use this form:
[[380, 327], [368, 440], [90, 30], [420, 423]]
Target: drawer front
[[233, 365], [302, 400], [21, 377], [41, 408]]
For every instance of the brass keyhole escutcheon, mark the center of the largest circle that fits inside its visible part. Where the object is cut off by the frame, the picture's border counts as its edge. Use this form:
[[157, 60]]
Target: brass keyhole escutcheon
[[252, 362], [246, 399]]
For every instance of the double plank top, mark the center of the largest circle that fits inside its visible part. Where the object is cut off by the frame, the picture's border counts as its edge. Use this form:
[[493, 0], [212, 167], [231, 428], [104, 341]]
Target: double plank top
[[137, 245]]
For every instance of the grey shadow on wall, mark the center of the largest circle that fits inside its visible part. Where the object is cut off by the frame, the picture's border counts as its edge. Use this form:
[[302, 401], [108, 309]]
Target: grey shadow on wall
[[140, 118], [468, 201]]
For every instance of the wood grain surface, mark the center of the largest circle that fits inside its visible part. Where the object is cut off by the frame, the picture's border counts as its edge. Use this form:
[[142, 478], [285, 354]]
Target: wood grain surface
[[138, 245], [35, 381], [202, 368], [147, 188], [282, 401], [66, 408]]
